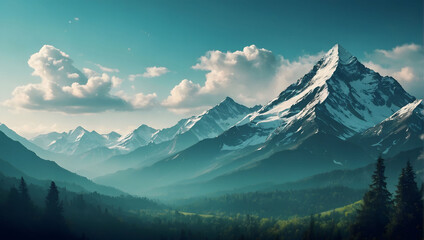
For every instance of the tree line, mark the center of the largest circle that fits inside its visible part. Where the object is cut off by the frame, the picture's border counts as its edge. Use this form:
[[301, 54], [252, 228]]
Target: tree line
[[24, 220], [276, 204], [380, 216]]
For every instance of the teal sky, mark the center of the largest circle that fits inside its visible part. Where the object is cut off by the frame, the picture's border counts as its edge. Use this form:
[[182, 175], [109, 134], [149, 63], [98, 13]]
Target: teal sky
[[131, 36]]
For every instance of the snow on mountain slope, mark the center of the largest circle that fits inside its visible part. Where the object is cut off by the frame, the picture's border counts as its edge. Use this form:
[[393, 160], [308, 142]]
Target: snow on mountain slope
[[79, 141], [112, 136], [137, 138], [209, 124], [339, 96], [404, 130], [44, 140]]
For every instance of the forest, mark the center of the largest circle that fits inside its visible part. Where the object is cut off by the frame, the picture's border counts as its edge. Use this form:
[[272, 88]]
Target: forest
[[31, 212]]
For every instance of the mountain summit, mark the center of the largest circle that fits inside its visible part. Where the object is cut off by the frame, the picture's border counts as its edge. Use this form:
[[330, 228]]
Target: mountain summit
[[339, 96]]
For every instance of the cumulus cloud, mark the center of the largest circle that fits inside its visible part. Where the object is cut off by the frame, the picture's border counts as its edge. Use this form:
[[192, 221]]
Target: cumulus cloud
[[404, 63], [155, 71], [106, 69], [64, 88], [140, 100], [251, 76]]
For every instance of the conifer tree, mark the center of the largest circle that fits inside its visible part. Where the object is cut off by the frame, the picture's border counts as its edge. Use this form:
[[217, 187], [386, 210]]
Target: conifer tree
[[53, 218], [25, 200], [407, 221], [374, 215], [53, 206]]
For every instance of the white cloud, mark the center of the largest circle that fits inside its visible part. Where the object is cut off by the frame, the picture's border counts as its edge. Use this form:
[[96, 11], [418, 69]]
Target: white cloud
[[73, 75], [404, 63], [116, 81], [149, 73], [132, 77], [155, 71], [76, 19], [144, 101], [251, 76], [106, 69], [405, 74], [63, 88], [185, 93]]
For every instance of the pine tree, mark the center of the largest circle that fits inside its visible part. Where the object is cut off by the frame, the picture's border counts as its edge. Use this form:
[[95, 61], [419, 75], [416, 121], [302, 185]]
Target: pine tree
[[407, 220], [25, 200], [53, 206], [374, 215], [53, 218]]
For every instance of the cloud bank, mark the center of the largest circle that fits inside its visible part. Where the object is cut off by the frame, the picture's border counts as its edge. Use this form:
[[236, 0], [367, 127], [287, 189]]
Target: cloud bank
[[404, 63], [64, 88], [251, 76]]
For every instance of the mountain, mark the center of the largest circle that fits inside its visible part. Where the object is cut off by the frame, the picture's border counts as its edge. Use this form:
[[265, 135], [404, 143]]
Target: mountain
[[139, 137], [339, 96], [79, 141], [402, 131], [360, 178], [44, 140], [18, 159], [209, 124], [43, 153], [184, 134], [304, 131], [13, 135], [78, 149]]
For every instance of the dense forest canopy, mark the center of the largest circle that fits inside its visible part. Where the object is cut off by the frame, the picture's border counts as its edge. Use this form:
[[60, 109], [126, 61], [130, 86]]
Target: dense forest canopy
[[30, 210]]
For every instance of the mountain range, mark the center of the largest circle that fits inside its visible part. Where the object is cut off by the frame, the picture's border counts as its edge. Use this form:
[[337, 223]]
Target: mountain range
[[340, 116], [306, 130], [84, 151], [18, 161]]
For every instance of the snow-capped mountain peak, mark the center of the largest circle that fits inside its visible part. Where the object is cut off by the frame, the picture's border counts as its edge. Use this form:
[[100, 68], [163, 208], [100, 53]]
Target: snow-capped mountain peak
[[210, 123], [401, 131], [339, 52], [339, 96], [139, 137], [407, 110], [77, 133], [112, 136], [76, 141]]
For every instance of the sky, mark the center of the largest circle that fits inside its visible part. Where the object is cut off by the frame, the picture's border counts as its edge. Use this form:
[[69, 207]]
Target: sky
[[114, 65]]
